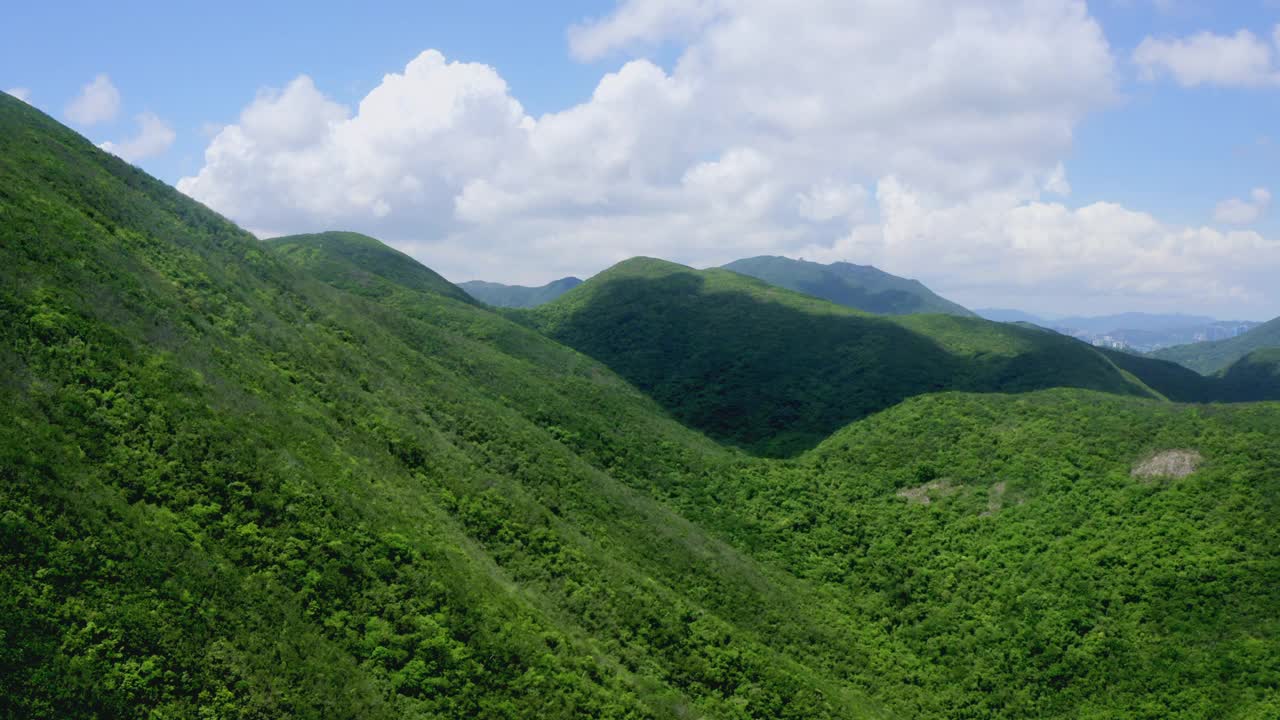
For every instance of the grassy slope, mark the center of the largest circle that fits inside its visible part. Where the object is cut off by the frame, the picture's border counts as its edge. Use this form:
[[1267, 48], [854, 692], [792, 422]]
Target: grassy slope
[[1212, 357], [235, 490], [860, 287], [1042, 580], [1021, 469], [355, 262], [518, 296], [777, 371], [1254, 376], [232, 490]]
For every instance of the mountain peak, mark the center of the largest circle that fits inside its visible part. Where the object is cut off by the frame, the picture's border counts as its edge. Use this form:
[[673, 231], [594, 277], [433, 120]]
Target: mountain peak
[[863, 287], [518, 296], [352, 259]]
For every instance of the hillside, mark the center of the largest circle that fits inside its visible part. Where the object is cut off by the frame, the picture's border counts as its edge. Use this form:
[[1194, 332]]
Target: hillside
[[776, 371], [1211, 357], [518, 296], [355, 262], [1255, 376], [314, 483], [861, 287], [304, 479]]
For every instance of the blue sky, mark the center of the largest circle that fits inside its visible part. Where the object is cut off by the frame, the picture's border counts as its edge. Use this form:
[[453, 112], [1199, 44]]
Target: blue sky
[[197, 64], [1157, 146]]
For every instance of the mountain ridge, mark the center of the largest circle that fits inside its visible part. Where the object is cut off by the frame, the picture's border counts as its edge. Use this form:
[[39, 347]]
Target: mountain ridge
[[861, 287], [518, 296], [1213, 357], [777, 370], [304, 479]]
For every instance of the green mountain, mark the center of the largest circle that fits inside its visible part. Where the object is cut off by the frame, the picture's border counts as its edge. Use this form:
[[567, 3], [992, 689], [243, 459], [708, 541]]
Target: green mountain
[[861, 287], [305, 479], [518, 296], [1255, 376], [1211, 357], [775, 371], [362, 265]]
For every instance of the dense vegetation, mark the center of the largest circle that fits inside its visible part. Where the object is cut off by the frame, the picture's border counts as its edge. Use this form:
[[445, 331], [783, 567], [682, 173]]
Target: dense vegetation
[[518, 296], [861, 287], [233, 490], [305, 479], [776, 371], [1208, 358]]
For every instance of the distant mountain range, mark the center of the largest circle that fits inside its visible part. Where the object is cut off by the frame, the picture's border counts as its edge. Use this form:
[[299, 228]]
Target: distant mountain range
[[311, 478], [518, 296], [1143, 332], [1212, 357], [773, 370], [1008, 315], [861, 287]]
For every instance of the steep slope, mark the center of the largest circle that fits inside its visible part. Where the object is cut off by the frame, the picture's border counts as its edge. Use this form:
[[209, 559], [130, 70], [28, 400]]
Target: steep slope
[[1255, 376], [861, 287], [1211, 357], [1171, 380], [236, 483], [518, 296], [314, 483], [350, 260], [776, 371]]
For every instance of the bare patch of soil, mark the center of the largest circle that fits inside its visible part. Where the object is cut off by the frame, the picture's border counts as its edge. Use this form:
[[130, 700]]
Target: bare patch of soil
[[928, 492], [995, 499], [1175, 464]]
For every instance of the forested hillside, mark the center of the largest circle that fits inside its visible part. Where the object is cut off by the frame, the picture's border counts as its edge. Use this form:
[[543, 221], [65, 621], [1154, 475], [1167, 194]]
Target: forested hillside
[[860, 287], [309, 478], [1211, 357], [776, 371], [518, 296], [231, 489]]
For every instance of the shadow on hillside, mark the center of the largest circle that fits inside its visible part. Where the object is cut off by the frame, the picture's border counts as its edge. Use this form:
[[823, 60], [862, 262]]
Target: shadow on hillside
[[776, 380]]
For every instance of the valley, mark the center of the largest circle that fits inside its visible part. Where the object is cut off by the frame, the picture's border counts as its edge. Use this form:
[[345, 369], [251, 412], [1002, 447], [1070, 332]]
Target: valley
[[310, 477]]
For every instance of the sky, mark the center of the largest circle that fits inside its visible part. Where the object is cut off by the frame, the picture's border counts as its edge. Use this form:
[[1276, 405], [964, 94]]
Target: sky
[[1054, 156]]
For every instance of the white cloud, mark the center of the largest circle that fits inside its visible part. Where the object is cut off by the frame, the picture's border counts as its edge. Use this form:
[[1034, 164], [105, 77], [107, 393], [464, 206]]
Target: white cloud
[[764, 136], [98, 101], [1103, 253], [831, 200], [1057, 182], [154, 137], [1239, 60], [1243, 212], [641, 22], [296, 159], [21, 93]]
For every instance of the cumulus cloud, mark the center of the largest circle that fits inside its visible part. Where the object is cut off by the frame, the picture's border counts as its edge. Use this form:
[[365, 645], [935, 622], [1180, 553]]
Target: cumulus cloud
[[1102, 253], [1243, 212], [1239, 60], [154, 136], [21, 93], [641, 22], [297, 159], [98, 101], [1057, 182], [767, 134]]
